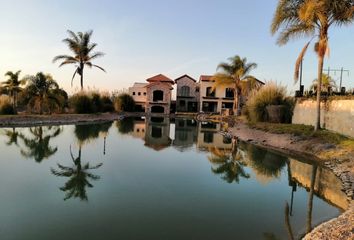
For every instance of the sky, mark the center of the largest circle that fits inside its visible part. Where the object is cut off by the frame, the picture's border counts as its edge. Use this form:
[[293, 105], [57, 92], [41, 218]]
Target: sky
[[143, 38]]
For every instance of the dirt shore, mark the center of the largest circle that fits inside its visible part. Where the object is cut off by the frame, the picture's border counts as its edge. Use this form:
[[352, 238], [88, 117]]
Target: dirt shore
[[340, 162]]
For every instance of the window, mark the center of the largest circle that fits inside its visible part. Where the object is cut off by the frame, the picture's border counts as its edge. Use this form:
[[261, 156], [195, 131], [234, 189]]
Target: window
[[158, 95], [229, 93], [185, 91], [226, 140], [208, 137], [210, 92], [133, 93], [139, 93], [227, 105], [144, 93], [197, 89], [182, 103]]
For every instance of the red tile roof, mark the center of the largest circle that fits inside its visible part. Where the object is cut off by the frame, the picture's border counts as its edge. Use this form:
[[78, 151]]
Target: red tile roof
[[157, 83], [160, 78], [205, 78]]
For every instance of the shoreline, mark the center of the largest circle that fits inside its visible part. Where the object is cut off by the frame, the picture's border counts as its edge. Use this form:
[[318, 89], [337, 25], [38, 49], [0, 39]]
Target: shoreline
[[342, 166], [341, 227]]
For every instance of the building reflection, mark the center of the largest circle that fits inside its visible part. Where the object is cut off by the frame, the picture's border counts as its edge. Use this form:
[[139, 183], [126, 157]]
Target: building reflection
[[157, 133], [186, 134]]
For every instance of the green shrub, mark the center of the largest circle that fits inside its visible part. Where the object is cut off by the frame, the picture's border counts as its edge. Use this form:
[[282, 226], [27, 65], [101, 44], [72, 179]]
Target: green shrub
[[124, 102], [6, 107], [270, 94], [90, 102], [81, 103]]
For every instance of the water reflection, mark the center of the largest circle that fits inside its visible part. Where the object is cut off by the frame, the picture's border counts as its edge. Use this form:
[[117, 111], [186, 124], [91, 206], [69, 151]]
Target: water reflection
[[229, 164], [12, 136], [79, 176], [37, 142]]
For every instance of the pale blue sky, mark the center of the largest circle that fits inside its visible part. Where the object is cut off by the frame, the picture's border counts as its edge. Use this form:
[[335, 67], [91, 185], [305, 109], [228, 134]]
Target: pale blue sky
[[144, 38]]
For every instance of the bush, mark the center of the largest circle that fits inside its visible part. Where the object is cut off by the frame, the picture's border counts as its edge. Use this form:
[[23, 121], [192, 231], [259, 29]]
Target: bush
[[270, 94], [90, 102], [6, 107], [124, 102]]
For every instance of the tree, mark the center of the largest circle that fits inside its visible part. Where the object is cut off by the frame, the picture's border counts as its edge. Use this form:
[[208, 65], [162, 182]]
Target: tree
[[42, 91], [124, 102], [327, 82], [79, 177], [313, 18], [12, 85], [83, 51], [235, 73]]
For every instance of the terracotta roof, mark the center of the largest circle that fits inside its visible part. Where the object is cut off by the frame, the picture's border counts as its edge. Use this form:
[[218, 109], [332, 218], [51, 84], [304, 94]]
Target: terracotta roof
[[187, 76], [205, 78], [139, 85], [160, 78], [157, 83]]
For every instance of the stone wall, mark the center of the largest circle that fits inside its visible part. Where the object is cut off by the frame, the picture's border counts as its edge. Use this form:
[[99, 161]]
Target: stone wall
[[336, 115]]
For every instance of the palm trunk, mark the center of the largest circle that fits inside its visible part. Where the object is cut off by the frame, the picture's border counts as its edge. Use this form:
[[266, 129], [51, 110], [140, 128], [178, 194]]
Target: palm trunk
[[236, 101], [319, 87], [82, 76]]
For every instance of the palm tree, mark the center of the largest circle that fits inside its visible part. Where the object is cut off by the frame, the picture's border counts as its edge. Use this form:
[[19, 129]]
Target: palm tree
[[79, 177], [327, 82], [42, 90], [12, 85], [38, 145], [236, 73], [295, 18], [230, 165], [82, 49]]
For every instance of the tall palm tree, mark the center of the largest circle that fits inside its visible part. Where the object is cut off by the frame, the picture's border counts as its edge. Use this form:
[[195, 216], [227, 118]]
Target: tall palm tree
[[235, 73], [79, 177], [313, 18], [12, 85], [83, 51], [38, 145], [327, 82], [42, 90]]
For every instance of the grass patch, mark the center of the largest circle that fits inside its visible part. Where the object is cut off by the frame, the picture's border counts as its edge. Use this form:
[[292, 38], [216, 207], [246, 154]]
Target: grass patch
[[306, 132]]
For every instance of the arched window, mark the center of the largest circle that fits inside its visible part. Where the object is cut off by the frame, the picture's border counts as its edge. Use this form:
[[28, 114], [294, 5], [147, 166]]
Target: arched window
[[158, 95], [185, 91]]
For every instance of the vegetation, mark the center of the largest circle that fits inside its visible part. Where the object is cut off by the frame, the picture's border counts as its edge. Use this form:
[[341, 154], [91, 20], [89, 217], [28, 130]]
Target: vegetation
[[90, 102], [312, 18], [83, 50], [124, 102], [306, 132], [270, 94], [6, 108], [327, 83], [44, 94], [12, 86], [236, 73]]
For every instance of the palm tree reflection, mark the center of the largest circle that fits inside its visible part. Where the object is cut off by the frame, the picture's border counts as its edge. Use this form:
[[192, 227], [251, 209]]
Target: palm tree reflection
[[38, 144], [79, 177], [229, 164], [12, 136]]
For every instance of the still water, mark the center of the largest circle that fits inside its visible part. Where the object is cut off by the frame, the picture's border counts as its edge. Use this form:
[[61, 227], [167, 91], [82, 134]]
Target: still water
[[155, 179]]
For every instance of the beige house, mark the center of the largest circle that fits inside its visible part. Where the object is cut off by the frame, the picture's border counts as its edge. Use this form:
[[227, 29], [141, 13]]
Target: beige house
[[187, 94], [214, 100], [153, 96], [138, 92]]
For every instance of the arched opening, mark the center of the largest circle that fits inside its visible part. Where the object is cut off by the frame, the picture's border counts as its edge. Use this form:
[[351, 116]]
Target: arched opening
[[157, 109], [158, 95]]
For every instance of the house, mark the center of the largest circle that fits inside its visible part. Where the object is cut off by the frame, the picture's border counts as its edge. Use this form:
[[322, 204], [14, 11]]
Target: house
[[159, 92], [187, 99], [214, 100], [153, 96], [209, 137], [138, 93]]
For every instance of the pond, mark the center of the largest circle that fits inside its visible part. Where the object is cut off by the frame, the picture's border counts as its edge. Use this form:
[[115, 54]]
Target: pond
[[155, 178]]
